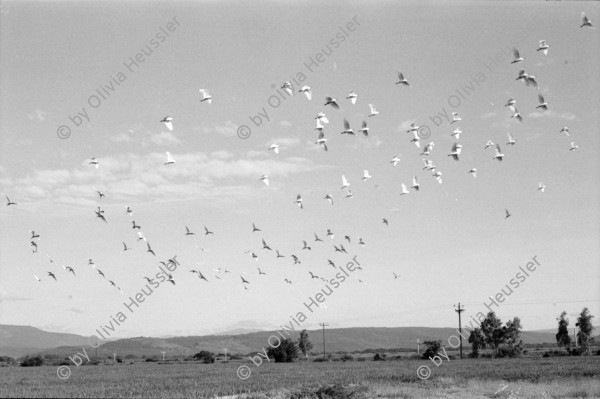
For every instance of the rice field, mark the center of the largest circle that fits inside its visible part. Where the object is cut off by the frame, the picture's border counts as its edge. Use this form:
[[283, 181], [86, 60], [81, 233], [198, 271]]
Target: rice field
[[564, 377]]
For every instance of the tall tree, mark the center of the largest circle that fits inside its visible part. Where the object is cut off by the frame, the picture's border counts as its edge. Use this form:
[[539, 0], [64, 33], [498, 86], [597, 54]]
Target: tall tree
[[492, 330], [304, 344], [562, 336], [584, 322], [512, 335], [476, 340]]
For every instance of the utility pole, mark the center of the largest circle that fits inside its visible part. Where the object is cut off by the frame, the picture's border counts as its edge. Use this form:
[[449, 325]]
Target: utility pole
[[575, 336], [324, 325], [459, 310], [418, 349], [163, 353]]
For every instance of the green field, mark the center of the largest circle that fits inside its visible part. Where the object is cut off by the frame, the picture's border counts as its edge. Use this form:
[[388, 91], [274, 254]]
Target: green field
[[534, 377]]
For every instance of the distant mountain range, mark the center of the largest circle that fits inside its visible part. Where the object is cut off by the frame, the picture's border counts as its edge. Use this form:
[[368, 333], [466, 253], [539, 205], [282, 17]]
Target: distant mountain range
[[16, 341]]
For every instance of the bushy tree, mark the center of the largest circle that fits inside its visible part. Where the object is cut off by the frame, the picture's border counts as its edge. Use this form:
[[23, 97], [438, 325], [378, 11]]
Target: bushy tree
[[433, 348], [33, 361], [562, 336], [512, 336], [304, 344], [584, 336], [286, 352], [476, 340], [493, 331], [205, 356]]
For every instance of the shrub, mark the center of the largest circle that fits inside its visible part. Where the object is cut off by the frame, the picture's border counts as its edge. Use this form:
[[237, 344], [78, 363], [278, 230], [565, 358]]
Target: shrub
[[33, 361], [286, 352], [379, 357], [507, 351], [347, 357], [205, 356], [151, 359], [433, 348], [576, 351]]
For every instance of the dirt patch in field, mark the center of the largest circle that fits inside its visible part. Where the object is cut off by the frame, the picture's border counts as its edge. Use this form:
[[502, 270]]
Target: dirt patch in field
[[335, 391]]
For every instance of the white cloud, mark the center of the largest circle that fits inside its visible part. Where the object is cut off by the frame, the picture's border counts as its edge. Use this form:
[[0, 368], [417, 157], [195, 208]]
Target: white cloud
[[404, 125], [229, 129], [551, 114], [38, 114], [164, 138], [129, 177], [121, 138]]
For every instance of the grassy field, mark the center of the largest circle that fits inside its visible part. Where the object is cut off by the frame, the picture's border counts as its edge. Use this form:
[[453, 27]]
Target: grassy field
[[561, 377]]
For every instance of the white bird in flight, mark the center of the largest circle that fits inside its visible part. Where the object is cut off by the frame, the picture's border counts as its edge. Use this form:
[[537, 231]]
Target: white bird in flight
[[511, 139], [511, 104], [329, 198], [352, 97], [395, 160], [456, 150], [404, 190], [585, 21], [366, 175], [574, 146], [95, 162], [517, 58], [364, 129], [401, 80], [416, 139], [275, 148], [456, 133], [541, 187], [322, 140], [489, 144], [265, 179], [543, 104], [565, 130], [287, 86], [543, 47], [168, 121], [499, 155], [473, 172], [299, 201], [415, 184], [373, 110], [205, 96], [170, 160], [517, 115], [347, 129], [322, 117], [306, 91], [331, 101], [345, 182], [455, 117]]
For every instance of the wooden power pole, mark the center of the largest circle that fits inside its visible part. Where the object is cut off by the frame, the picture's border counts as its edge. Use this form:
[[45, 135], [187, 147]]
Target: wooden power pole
[[324, 325], [459, 310]]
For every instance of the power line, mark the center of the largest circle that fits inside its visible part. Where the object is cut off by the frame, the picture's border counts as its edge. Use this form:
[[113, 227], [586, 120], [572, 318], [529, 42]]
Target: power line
[[323, 325], [459, 311]]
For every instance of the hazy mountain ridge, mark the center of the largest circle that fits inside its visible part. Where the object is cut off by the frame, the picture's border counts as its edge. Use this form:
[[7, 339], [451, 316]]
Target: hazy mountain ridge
[[20, 340]]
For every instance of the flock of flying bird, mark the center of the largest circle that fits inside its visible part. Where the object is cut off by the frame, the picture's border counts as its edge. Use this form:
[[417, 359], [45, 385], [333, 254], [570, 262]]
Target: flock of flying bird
[[321, 121]]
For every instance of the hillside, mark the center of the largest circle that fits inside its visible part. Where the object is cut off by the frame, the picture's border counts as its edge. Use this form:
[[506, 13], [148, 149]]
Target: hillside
[[336, 339], [16, 341]]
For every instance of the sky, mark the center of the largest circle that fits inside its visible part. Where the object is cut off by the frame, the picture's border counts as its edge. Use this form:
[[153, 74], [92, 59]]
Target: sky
[[72, 89]]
